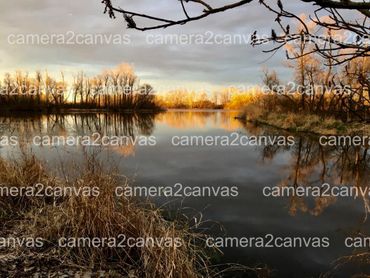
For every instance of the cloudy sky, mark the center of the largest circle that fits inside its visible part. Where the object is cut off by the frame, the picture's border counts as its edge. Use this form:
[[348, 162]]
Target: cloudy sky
[[166, 66]]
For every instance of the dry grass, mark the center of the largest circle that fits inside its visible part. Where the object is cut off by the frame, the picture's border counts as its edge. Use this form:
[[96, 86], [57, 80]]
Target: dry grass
[[359, 259], [105, 216], [306, 123], [26, 172]]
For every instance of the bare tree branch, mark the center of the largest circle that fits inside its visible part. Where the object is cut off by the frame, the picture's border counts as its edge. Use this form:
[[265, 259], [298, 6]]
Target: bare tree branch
[[346, 48]]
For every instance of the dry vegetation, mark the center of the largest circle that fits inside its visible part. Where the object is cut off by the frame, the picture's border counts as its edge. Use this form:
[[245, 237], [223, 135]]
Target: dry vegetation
[[323, 100], [310, 123], [103, 216]]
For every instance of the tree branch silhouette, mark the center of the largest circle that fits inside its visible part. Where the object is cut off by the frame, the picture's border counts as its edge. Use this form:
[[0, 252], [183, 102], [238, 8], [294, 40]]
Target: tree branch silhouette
[[325, 42]]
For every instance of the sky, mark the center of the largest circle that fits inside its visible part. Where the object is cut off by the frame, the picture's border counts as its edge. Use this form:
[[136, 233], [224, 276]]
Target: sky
[[166, 66]]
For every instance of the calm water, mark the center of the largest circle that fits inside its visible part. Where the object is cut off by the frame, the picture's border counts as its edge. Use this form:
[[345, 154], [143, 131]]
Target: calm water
[[248, 167]]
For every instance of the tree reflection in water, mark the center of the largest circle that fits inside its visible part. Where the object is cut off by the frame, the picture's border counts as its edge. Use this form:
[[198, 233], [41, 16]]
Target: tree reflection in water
[[312, 164]]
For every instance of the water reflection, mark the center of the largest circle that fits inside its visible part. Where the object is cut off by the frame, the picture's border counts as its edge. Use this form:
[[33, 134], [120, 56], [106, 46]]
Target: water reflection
[[190, 119], [306, 163], [313, 164]]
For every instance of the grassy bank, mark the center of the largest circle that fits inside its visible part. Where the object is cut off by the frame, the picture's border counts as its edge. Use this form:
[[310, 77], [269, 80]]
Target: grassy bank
[[306, 123], [106, 216]]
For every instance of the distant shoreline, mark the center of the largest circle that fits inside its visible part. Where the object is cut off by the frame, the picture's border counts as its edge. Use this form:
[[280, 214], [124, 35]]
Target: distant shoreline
[[308, 123], [42, 111], [68, 110]]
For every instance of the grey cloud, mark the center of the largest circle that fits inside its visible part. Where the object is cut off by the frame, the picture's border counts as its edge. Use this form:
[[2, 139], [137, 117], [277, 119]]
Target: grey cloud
[[213, 64]]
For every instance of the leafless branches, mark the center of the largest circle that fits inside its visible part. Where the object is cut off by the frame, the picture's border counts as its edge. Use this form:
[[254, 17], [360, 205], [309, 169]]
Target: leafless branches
[[327, 32], [325, 38], [159, 23]]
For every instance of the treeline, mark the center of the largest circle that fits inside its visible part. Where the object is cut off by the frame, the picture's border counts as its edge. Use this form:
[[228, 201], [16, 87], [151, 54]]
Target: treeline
[[319, 87], [227, 98], [116, 89]]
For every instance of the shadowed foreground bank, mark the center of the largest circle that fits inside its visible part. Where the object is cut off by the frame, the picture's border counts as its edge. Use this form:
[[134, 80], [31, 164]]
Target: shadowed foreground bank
[[42, 221]]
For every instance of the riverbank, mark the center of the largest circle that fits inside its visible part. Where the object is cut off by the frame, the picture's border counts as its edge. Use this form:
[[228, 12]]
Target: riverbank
[[47, 231], [307, 123]]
